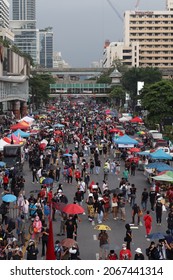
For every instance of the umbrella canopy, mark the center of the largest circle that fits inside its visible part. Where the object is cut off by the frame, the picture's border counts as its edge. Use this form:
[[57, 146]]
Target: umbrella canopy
[[68, 243], [163, 177], [58, 205], [144, 153], [141, 132], [58, 132], [67, 155], [47, 181], [9, 198], [160, 154], [21, 125], [123, 119], [73, 208], [117, 131], [160, 166], [134, 150], [126, 140], [58, 125], [102, 227], [136, 120], [27, 119], [156, 235], [21, 133], [2, 164]]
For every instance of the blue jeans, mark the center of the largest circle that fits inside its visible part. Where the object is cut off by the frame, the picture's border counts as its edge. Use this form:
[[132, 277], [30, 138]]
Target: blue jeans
[[100, 217]]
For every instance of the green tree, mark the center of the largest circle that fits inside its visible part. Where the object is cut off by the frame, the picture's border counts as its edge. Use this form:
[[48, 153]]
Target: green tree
[[130, 78], [157, 99], [117, 95], [40, 88], [104, 78]]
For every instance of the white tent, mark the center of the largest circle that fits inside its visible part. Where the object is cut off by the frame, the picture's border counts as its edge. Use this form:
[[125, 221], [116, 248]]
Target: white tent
[[27, 119], [123, 119], [2, 144]]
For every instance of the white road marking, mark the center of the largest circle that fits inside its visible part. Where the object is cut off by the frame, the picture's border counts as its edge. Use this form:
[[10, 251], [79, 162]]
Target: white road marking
[[93, 223], [97, 256], [95, 237]]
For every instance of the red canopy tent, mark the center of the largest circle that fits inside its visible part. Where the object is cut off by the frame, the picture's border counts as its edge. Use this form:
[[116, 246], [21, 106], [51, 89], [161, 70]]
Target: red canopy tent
[[19, 126], [136, 120]]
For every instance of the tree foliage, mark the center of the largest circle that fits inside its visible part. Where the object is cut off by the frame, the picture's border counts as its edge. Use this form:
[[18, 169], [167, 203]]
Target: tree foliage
[[157, 99], [40, 87], [104, 78], [130, 78], [117, 94]]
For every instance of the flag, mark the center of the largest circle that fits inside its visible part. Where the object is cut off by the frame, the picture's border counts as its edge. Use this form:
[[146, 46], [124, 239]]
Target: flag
[[50, 253]]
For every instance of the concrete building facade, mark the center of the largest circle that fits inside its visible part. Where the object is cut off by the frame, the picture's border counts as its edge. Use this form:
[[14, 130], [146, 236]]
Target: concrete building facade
[[23, 25], [148, 40], [45, 46]]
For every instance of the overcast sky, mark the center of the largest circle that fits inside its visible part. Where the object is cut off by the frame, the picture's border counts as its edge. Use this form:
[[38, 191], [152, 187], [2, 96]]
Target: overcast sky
[[81, 26]]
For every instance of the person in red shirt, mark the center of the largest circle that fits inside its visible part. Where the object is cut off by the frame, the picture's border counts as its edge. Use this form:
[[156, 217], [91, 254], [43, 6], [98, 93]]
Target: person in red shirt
[[77, 174], [148, 223], [5, 182], [125, 254]]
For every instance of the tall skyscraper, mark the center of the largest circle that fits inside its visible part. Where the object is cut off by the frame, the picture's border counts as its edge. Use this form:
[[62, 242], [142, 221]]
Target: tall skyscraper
[[46, 47], [23, 24], [5, 32]]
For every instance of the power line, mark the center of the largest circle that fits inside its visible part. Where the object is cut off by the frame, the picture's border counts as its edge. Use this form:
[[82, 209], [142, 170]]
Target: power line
[[115, 10]]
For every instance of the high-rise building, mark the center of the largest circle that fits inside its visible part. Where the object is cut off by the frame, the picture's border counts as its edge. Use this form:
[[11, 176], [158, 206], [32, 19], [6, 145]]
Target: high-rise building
[[5, 32], [46, 47], [148, 40], [23, 25], [153, 30]]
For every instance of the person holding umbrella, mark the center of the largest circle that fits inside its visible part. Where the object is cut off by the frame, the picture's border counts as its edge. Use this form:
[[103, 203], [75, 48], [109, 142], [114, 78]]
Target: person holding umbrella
[[103, 244]]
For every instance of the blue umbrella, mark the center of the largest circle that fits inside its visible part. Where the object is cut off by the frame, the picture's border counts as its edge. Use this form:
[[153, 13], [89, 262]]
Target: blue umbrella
[[156, 235], [2, 164], [9, 198], [58, 125], [67, 155], [47, 181]]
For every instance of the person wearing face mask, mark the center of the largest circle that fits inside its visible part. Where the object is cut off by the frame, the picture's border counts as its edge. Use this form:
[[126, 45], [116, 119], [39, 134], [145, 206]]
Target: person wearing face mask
[[17, 253], [70, 227], [32, 251], [37, 226]]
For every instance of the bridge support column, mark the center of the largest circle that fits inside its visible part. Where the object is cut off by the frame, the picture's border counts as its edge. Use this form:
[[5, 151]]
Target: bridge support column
[[24, 109], [16, 109]]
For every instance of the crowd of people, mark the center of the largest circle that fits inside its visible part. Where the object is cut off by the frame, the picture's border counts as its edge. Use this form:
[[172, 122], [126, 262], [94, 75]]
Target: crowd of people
[[78, 147]]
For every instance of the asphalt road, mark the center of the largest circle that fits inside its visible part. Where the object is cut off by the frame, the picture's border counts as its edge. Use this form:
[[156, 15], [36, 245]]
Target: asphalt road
[[87, 235]]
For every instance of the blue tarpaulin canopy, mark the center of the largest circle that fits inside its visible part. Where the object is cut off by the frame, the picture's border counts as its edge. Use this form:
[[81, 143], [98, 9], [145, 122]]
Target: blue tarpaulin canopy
[[160, 154], [159, 166], [125, 139], [21, 133]]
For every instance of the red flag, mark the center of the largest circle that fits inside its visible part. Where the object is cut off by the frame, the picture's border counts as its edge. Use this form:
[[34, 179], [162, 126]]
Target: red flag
[[50, 253]]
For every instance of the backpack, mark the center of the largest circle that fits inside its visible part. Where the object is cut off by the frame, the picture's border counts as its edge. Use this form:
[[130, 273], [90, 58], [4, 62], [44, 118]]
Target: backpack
[[124, 190], [58, 252], [11, 225], [3, 209]]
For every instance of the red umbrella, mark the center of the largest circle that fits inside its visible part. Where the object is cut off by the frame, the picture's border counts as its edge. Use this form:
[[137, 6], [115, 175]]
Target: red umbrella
[[68, 243], [57, 132], [134, 150], [117, 131], [42, 146], [73, 208], [136, 120], [19, 126]]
